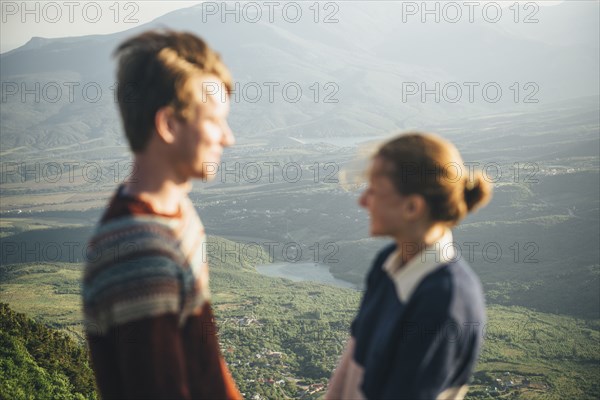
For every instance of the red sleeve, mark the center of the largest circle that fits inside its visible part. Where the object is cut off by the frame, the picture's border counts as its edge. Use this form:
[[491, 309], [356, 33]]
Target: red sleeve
[[142, 359], [209, 376], [145, 359]]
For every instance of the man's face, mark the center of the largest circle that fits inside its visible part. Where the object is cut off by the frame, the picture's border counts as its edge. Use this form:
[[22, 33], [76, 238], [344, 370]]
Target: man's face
[[201, 139]]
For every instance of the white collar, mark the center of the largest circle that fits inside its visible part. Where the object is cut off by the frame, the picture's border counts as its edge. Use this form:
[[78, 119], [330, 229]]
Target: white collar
[[407, 278]]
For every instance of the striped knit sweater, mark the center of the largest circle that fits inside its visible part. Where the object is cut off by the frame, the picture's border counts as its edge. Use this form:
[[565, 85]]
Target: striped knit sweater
[[143, 266], [147, 307]]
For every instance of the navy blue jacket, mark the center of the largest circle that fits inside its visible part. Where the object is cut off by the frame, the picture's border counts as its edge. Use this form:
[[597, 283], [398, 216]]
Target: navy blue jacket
[[422, 342]]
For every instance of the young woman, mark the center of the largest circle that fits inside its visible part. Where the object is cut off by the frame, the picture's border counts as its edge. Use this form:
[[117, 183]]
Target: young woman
[[418, 331]]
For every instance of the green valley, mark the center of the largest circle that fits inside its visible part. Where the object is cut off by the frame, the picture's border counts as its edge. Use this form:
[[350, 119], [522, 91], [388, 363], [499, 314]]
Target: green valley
[[282, 338]]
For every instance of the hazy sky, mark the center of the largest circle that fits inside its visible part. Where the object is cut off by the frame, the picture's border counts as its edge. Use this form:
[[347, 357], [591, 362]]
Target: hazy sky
[[52, 19], [75, 18]]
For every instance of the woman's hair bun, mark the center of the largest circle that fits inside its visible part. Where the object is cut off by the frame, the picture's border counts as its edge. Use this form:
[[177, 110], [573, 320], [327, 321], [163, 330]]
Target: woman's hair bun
[[478, 191]]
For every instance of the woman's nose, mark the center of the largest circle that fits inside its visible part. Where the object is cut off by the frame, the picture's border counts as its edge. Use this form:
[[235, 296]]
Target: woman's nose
[[362, 200]]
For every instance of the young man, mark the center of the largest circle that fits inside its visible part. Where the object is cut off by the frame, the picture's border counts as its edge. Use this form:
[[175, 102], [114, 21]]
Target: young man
[[146, 298]]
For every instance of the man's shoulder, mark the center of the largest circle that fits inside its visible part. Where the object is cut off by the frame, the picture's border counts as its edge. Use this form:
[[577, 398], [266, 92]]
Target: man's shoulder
[[133, 267], [129, 223], [122, 205], [130, 236]]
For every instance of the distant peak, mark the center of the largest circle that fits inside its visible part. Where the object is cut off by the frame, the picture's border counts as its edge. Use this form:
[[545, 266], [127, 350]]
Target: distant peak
[[37, 39], [36, 42]]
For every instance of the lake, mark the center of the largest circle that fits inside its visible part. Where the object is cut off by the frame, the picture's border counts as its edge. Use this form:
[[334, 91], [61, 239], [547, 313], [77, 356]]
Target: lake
[[303, 272], [350, 141]]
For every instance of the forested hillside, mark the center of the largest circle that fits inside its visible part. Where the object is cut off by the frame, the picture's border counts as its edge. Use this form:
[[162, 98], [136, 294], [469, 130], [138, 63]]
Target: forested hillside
[[37, 362]]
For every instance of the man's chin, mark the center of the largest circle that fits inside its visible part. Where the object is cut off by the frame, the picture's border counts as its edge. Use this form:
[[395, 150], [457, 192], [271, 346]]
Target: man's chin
[[208, 171], [206, 177]]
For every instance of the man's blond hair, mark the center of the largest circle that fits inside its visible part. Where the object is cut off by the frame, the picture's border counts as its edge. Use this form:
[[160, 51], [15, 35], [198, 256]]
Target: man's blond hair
[[154, 71]]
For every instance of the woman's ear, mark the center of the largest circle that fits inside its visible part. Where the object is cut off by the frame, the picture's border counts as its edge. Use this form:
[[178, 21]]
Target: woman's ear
[[415, 207], [166, 124]]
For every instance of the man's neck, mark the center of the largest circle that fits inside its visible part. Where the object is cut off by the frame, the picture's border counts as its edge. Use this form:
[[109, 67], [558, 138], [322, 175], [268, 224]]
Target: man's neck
[[156, 185]]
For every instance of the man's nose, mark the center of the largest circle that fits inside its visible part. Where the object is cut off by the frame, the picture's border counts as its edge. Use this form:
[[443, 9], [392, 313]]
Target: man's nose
[[228, 139]]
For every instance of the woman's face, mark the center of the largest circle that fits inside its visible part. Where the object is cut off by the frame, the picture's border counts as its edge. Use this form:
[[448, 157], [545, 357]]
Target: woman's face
[[386, 206]]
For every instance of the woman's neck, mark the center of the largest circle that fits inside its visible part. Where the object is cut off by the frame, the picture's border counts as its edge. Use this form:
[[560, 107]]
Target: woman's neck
[[419, 238]]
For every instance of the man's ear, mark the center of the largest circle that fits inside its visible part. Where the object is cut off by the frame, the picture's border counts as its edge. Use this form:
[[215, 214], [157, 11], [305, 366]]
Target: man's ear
[[166, 124]]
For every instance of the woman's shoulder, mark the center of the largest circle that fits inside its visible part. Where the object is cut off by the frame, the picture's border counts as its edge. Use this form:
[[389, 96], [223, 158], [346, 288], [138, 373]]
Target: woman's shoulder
[[455, 289], [377, 266], [452, 275], [384, 253]]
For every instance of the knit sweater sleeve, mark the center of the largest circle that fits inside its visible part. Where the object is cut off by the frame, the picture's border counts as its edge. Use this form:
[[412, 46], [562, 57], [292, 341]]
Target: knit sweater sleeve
[[133, 272], [147, 358]]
